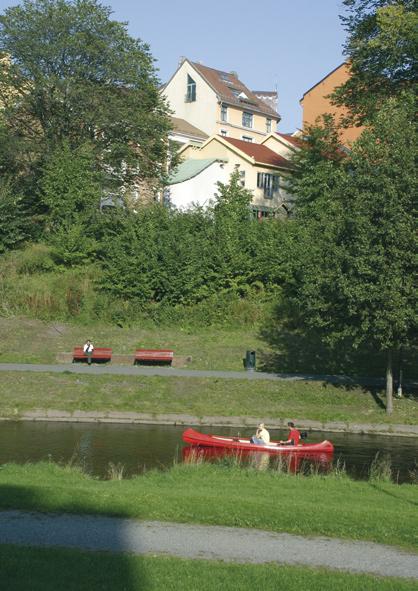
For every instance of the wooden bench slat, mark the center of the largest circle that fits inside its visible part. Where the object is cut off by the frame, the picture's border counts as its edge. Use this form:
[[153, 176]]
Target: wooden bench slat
[[163, 355], [103, 353]]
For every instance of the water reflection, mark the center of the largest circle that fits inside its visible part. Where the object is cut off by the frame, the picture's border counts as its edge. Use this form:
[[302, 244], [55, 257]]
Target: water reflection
[[139, 447], [318, 463]]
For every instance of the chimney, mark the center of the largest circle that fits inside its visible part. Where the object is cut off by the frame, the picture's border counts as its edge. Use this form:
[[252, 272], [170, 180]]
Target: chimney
[[234, 74], [181, 60]]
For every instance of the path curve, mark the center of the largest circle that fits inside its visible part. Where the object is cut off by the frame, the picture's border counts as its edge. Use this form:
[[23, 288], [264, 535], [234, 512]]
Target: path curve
[[203, 542]]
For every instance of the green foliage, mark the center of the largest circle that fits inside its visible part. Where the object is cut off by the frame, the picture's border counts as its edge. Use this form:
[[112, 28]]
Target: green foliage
[[71, 245], [379, 232], [76, 75], [184, 258], [382, 48], [355, 245], [14, 228], [69, 185], [35, 258], [70, 191]]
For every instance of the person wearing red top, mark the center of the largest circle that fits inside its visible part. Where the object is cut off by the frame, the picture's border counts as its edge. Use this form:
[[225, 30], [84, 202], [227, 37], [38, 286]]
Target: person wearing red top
[[293, 437]]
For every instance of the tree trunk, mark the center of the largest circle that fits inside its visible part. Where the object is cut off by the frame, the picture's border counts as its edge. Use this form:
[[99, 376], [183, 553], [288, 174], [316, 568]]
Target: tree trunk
[[389, 384]]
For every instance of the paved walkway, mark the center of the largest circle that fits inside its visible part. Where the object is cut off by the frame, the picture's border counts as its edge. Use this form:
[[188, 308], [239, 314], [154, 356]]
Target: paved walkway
[[82, 368], [203, 542]]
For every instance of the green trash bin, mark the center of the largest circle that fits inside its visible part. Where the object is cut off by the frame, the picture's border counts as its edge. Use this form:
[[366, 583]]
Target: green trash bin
[[250, 360]]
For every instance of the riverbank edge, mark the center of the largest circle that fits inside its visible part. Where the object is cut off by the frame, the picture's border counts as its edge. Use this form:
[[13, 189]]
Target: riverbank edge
[[79, 416]]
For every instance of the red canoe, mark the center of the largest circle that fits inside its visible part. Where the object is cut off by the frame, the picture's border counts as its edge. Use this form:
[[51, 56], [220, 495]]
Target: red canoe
[[244, 444]]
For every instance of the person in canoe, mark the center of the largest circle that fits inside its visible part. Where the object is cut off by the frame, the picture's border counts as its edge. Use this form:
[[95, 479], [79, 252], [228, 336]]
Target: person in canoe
[[293, 437], [262, 436]]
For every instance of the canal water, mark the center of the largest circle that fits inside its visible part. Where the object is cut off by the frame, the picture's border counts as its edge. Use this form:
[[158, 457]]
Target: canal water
[[142, 447]]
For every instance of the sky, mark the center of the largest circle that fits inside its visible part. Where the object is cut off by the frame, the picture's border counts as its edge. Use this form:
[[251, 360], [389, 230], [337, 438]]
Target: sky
[[288, 45]]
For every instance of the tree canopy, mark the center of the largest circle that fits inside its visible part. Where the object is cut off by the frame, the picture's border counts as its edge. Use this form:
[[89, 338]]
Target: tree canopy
[[382, 49], [71, 73]]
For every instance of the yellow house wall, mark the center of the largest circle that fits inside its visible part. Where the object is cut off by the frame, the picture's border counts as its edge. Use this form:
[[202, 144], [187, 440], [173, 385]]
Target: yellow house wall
[[202, 113], [277, 146], [216, 149], [234, 128], [205, 112]]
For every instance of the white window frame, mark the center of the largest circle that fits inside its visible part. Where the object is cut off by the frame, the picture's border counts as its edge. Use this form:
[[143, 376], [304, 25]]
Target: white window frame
[[190, 90], [270, 183], [247, 117]]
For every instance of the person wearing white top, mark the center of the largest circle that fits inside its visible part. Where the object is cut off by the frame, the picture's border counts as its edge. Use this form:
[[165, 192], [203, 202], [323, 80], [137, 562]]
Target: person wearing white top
[[262, 436], [88, 350]]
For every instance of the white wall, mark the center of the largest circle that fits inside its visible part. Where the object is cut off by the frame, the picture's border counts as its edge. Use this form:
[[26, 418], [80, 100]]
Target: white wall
[[200, 189], [202, 113]]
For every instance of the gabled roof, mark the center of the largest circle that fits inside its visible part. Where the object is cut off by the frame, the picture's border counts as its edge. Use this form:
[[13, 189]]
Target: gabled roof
[[232, 91], [190, 168], [295, 141], [322, 79], [183, 126], [260, 153]]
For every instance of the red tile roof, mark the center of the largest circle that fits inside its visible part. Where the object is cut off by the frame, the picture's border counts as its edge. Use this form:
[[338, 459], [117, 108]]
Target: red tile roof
[[296, 141], [224, 83], [260, 153]]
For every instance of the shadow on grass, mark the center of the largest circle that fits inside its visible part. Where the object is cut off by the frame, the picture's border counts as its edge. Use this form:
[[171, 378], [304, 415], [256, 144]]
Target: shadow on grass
[[381, 489], [64, 552], [297, 352]]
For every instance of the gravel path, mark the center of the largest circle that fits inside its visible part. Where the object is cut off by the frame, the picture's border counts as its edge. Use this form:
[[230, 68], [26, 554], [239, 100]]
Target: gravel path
[[82, 368], [203, 542]]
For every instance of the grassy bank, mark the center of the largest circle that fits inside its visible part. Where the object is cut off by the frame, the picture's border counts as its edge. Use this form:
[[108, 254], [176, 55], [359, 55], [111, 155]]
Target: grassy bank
[[20, 392], [228, 495], [37, 341], [40, 569]]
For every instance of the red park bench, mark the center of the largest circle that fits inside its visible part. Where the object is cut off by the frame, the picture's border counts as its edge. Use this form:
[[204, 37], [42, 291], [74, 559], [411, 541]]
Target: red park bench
[[153, 356], [99, 354]]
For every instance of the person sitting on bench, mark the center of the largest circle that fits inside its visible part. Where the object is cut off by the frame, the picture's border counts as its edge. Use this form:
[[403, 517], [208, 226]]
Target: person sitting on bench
[[88, 350], [262, 436]]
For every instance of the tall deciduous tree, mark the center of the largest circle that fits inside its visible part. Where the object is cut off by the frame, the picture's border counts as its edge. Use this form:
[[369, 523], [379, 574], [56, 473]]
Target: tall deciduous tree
[[382, 48], [72, 73], [357, 247]]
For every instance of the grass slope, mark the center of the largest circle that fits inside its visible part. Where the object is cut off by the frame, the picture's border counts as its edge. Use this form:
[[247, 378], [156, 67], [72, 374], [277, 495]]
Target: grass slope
[[20, 392]]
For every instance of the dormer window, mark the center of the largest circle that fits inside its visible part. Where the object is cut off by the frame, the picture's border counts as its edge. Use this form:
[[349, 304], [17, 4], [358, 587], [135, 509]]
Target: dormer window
[[191, 90]]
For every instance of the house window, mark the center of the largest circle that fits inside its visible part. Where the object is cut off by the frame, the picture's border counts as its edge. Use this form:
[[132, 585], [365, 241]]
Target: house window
[[224, 133], [191, 90], [247, 138], [270, 183], [247, 119], [242, 178], [224, 113], [262, 214], [268, 125]]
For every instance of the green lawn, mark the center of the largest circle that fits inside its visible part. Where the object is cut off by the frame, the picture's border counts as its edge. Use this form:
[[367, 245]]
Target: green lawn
[[39, 569], [332, 505], [36, 341], [199, 397]]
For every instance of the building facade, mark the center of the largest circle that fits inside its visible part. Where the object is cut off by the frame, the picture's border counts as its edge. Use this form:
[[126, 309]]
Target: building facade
[[316, 102], [217, 102]]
